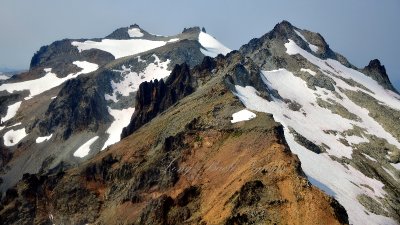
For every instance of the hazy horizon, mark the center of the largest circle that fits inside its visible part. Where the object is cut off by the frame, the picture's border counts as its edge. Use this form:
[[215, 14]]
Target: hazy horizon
[[360, 30]]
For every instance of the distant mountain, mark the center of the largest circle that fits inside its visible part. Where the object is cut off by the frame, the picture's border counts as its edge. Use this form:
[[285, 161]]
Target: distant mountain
[[81, 91], [137, 128]]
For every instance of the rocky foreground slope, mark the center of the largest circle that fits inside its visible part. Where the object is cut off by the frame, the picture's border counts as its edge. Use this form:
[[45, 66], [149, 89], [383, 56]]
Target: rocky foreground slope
[[191, 153]]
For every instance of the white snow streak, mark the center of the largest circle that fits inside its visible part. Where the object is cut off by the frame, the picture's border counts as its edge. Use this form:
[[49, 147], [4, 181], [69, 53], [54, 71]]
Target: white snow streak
[[173, 40], [14, 125], [242, 115], [85, 148], [308, 71], [42, 139], [121, 120]]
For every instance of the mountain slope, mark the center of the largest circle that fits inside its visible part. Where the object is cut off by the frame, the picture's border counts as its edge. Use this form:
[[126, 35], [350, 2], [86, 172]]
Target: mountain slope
[[340, 122]]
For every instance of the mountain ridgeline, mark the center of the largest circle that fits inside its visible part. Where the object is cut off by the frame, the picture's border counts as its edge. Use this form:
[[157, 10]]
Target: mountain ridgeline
[[137, 128]]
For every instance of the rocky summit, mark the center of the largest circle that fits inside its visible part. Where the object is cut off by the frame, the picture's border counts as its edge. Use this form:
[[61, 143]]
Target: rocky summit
[[137, 128]]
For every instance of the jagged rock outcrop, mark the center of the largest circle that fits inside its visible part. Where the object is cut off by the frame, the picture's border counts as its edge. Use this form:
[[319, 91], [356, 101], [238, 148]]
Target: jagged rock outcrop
[[378, 72], [155, 97]]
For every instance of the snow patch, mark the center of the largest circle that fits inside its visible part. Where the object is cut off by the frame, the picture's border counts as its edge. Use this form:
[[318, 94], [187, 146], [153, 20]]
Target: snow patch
[[48, 81], [173, 40], [17, 124], [4, 77], [42, 139], [242, 115], [11, 111], [120, 48], [135, 32], [308, 71], [212, 47], [121, 120], [131, 80], [85, 148], [12, 137], [369, 157]]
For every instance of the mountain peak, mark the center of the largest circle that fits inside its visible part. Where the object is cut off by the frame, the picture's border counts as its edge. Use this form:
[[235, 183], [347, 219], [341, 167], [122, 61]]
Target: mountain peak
[[375, 63], [124, 33], [135, 25], [377, 72], [284, 24], [195, 29]]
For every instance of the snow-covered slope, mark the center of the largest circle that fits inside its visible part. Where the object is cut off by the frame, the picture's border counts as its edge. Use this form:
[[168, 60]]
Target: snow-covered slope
[[332, 118], [120, 48], [212, 47], [48, 81], [3, 77]]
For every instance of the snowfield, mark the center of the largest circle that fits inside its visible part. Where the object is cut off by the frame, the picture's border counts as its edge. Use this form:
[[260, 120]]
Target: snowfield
[[131, 80], [85, 148], [242, 115], [120, 48], [212, 47], [311, 121], [121, 120], [12, 137], [48, 81]]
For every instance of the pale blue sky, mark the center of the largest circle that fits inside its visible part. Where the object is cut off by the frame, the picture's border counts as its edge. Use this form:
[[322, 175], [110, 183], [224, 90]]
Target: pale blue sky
[[359, 29]]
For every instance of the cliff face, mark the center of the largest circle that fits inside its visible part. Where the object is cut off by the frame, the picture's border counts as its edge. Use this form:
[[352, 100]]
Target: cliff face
[[188, 165]]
